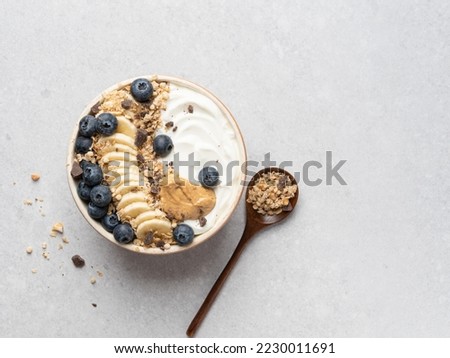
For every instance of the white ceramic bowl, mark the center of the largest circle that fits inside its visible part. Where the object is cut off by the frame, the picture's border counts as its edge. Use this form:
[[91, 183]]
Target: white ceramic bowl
[[221, 217]]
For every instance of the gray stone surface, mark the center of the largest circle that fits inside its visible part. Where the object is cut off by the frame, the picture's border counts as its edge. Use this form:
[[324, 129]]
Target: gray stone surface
[[367, 80]]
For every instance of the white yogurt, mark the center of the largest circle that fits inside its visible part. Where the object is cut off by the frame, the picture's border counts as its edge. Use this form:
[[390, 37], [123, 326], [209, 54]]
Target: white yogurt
[[207, 134]]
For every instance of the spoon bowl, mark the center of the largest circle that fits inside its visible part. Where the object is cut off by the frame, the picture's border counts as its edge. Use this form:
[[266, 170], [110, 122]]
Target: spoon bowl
[[255, 222], [264, 220]]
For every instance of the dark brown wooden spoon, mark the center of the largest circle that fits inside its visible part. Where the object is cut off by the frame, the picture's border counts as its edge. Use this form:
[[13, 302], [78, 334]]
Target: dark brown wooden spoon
[[255, 222]]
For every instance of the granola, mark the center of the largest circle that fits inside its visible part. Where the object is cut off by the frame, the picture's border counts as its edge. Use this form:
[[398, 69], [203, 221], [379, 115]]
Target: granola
[[146, 117], [271, 193]]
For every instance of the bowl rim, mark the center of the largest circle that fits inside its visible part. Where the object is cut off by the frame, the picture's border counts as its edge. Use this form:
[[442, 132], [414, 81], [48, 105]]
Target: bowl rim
[[96, 225]]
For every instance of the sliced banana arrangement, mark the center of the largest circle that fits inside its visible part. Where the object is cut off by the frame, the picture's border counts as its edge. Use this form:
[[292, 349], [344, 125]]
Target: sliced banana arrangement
[[127, 183]]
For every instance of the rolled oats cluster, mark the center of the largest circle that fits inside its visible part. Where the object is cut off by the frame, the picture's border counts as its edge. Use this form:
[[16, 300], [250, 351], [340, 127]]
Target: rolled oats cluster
[[271, 193]]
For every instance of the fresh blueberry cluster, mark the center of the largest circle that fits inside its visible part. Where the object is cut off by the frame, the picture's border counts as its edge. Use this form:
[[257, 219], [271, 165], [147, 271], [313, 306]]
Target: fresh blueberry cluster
[[105, 124], [90, 188]]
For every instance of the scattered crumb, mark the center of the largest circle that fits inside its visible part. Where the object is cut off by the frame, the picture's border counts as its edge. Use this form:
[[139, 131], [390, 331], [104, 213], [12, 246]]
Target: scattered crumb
[[29, 250], [140, 158], [148, 239], [53, 233], [44, 245], [141, 138], [126, 104], [58, 227], [34, 270], [46, 255], [95, 108], [93, 280], [78, 261], [202, 221], [28, 202], [35, 176], [100, 274], [60, 246], [190, 109], [174, 129], [94, 305], [76, 171], [65, 240]]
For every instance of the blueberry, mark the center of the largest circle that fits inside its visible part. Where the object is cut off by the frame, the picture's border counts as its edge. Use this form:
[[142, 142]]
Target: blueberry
[[162, 145], [87, 126], [84, 191], [84, 162], [96, 212], [183, 234], [109, 222], [92, 174], [141, 90], [106, 124], [209, 177], [123, 233], [82, 144], [101, 195]]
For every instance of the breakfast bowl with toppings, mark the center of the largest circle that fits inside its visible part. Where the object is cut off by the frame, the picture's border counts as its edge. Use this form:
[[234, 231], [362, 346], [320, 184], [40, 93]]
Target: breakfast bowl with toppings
[[156, 164]]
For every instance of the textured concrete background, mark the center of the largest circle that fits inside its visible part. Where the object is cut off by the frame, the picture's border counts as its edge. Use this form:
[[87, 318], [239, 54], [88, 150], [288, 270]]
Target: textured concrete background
[[368, 80]]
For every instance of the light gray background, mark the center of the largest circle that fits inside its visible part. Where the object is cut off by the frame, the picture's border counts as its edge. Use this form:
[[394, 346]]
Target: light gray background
[[368, 80]]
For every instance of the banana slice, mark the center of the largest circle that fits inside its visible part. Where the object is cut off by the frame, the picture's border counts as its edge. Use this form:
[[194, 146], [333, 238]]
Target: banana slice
[[126, 127], [126, 188], [116, 147], [116, 171], [122, 171], [132, 197], [116, 164], [127, 180], [134, 209], [112, 157], [159, 225], [146, 216], [124, 176], [119, 138]]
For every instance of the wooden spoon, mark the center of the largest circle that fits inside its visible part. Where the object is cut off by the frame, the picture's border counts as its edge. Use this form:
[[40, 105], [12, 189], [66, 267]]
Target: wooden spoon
[[255, 222]]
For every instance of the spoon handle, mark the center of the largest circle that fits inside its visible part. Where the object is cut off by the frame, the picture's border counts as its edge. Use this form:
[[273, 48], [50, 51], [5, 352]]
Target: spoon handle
[[202, 312]]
